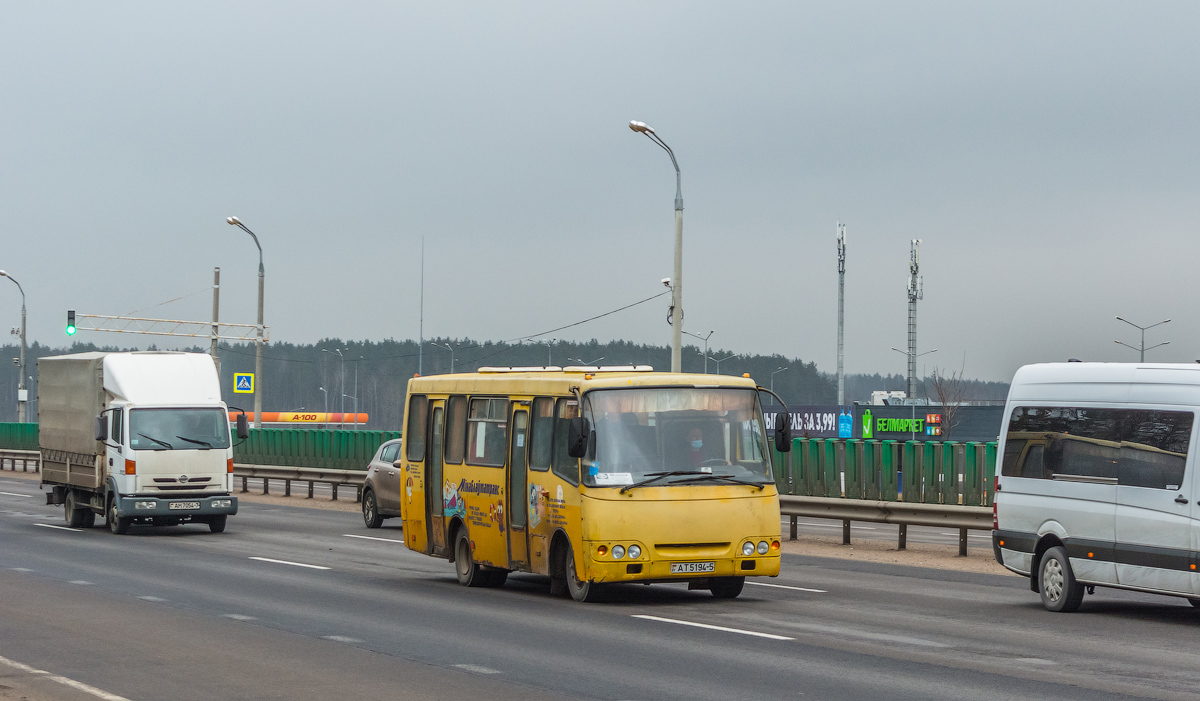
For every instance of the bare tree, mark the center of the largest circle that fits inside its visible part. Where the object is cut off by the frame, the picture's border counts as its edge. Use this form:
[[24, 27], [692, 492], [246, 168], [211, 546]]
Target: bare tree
[[951, 393]]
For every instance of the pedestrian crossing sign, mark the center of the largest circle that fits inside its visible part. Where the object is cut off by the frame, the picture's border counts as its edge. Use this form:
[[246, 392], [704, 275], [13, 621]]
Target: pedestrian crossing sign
[[243, 382]]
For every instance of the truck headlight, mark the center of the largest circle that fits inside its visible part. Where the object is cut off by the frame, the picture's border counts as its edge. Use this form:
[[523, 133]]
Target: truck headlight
[[144, 504], [747, 549], [222, 503]]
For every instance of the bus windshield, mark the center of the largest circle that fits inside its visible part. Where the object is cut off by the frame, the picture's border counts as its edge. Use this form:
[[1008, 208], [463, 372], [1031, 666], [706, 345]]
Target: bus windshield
[[178, 429], [703, 433]]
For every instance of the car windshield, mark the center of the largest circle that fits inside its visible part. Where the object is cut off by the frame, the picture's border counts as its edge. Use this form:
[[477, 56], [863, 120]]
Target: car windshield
[[704, 434], [178, 429]]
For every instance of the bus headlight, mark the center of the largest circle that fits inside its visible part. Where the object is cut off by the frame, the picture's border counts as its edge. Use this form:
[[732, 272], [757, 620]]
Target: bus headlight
[[634, 552], [747, 548], [762, 547], [618, 552]]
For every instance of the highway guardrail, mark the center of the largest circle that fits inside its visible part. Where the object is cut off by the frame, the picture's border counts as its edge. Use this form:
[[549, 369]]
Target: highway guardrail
[[903, 514], [287, 474], [9, 459]]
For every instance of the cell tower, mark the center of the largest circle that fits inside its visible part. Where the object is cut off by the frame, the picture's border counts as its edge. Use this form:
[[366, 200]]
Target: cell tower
[[916, 291], [841, 250]]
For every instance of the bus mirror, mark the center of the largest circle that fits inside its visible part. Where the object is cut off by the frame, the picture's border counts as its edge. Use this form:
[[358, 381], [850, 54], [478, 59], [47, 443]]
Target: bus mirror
[[783, 432], [577, 436], [243, 427], [101, 428]]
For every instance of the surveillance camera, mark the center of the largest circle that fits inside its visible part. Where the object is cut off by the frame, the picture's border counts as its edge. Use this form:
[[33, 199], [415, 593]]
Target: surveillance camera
[[666, 282]]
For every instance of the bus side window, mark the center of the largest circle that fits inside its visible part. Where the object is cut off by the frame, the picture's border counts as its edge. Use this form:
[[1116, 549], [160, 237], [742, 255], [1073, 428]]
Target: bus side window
[[456, 429], [414, 435], [487, 432], [564, 465], [541, 438]]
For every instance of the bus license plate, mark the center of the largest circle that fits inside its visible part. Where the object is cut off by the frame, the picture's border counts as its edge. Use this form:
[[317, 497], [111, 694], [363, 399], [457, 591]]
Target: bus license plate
[[183, 505], [691, 567]]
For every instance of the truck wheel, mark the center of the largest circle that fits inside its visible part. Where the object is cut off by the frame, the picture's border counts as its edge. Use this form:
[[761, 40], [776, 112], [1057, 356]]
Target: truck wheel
[[726, 587], [370, 510], [1060, 592], [116, 524], [89, 518], [216, 524], [72, 512]]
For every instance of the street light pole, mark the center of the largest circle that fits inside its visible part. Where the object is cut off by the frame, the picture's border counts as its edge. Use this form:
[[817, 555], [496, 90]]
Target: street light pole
[[705, 339], [585, 363], [258, 378], [22, 392], [677, 280], [1142, 349], [718, 362], [776, 370], [448, 347], [341, 384]]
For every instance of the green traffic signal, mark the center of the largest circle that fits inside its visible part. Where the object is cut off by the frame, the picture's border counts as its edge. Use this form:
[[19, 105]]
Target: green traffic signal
[[71, 322]]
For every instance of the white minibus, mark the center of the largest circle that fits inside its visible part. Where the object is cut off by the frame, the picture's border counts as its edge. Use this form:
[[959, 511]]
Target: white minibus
[[1097, 481]]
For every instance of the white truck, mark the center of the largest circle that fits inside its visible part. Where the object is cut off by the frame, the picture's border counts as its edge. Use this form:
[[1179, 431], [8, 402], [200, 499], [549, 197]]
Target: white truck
[[141, 437]]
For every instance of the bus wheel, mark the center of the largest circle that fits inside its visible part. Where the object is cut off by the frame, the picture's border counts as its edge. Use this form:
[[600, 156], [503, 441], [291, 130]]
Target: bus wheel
[[585, 592], [726, 587], [1060, 591], [497, 577], [469, 573]]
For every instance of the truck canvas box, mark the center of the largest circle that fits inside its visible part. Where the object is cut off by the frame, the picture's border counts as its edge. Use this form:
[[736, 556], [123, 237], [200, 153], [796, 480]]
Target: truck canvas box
[[141, 437]]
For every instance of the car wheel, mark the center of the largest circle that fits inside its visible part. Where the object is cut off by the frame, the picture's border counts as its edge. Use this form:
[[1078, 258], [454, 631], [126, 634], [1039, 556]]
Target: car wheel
[[584, 592], [370, 510], [470, 574], [116, 524], [216, 524], [726, 587], [1194, 602], [1060, 592], [71, 511]]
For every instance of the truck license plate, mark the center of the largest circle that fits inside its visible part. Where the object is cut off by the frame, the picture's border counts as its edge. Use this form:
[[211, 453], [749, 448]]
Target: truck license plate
[[183, 505], [690, 567]]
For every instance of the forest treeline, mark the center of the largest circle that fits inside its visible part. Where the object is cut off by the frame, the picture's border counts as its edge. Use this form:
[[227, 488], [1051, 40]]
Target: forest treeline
[[325, 374]]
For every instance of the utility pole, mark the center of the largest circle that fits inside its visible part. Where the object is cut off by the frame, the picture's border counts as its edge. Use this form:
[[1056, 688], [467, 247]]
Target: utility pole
[[421, 323], [841, 250], [22, 392], [215, 326], [916, 291]]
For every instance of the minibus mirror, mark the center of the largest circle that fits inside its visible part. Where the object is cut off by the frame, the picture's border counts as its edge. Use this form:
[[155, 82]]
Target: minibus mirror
[[783, 432], [243, 427], [101, 428], [577, 435]]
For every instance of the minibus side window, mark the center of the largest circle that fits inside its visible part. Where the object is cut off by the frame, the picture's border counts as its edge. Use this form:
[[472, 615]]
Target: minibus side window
[[487, 432], [456, 429], [564, 465], [414, 435], [541, 439]]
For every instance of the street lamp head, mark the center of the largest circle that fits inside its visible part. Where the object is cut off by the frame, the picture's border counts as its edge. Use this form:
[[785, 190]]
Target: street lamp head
[[641, 127], [666, 282], [3, 274], [232, 221]]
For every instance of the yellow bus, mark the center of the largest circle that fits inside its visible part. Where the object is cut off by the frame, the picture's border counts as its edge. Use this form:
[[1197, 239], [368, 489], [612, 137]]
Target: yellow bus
[[591, 476]]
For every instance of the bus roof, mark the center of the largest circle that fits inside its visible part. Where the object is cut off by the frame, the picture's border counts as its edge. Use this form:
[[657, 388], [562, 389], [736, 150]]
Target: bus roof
[[555, 380]]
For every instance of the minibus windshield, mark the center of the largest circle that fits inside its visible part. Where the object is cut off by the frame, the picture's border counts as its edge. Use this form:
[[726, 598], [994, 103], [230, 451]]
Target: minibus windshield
[[701, 436], [178, 429]]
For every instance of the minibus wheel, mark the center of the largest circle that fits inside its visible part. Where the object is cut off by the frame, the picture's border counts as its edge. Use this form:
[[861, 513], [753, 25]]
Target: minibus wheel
[[726, 587], [470, 573], [1060, 592], [581, 591]]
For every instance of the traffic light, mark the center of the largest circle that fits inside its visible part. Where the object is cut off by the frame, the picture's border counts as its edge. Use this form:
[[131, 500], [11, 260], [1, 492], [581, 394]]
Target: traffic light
[[70, 322]]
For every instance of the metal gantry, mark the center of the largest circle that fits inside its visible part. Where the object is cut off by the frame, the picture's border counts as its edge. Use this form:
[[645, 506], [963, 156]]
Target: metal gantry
[[171, 327]]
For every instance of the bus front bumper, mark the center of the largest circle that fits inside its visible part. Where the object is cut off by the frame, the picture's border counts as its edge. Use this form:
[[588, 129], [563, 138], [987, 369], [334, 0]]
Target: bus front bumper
[[644, 569]]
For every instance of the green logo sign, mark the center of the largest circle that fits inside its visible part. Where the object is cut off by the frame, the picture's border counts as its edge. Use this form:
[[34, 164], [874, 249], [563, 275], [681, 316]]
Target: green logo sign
[[867, 425], [900, 425]]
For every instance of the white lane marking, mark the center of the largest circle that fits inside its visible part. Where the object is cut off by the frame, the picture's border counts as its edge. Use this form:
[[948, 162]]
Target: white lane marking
[[853, 633], [81, 582], [340, 639], [61, 528], [14, 494], [784, 586], [478, 669], [739, 631], [285, 562], [152, 599], [368, 537], [240, 617], [20, 569], [65, 681]]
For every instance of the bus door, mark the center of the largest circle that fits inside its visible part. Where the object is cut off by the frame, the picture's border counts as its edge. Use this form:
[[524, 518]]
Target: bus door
[[413, 495], [436, 533], [518, 544]]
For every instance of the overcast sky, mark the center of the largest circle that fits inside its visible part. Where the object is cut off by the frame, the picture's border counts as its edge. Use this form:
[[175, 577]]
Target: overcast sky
[[1047, 156]]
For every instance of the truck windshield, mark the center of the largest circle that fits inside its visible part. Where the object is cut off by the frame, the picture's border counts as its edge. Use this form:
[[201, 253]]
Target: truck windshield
[[178, 429], [700, 435]]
